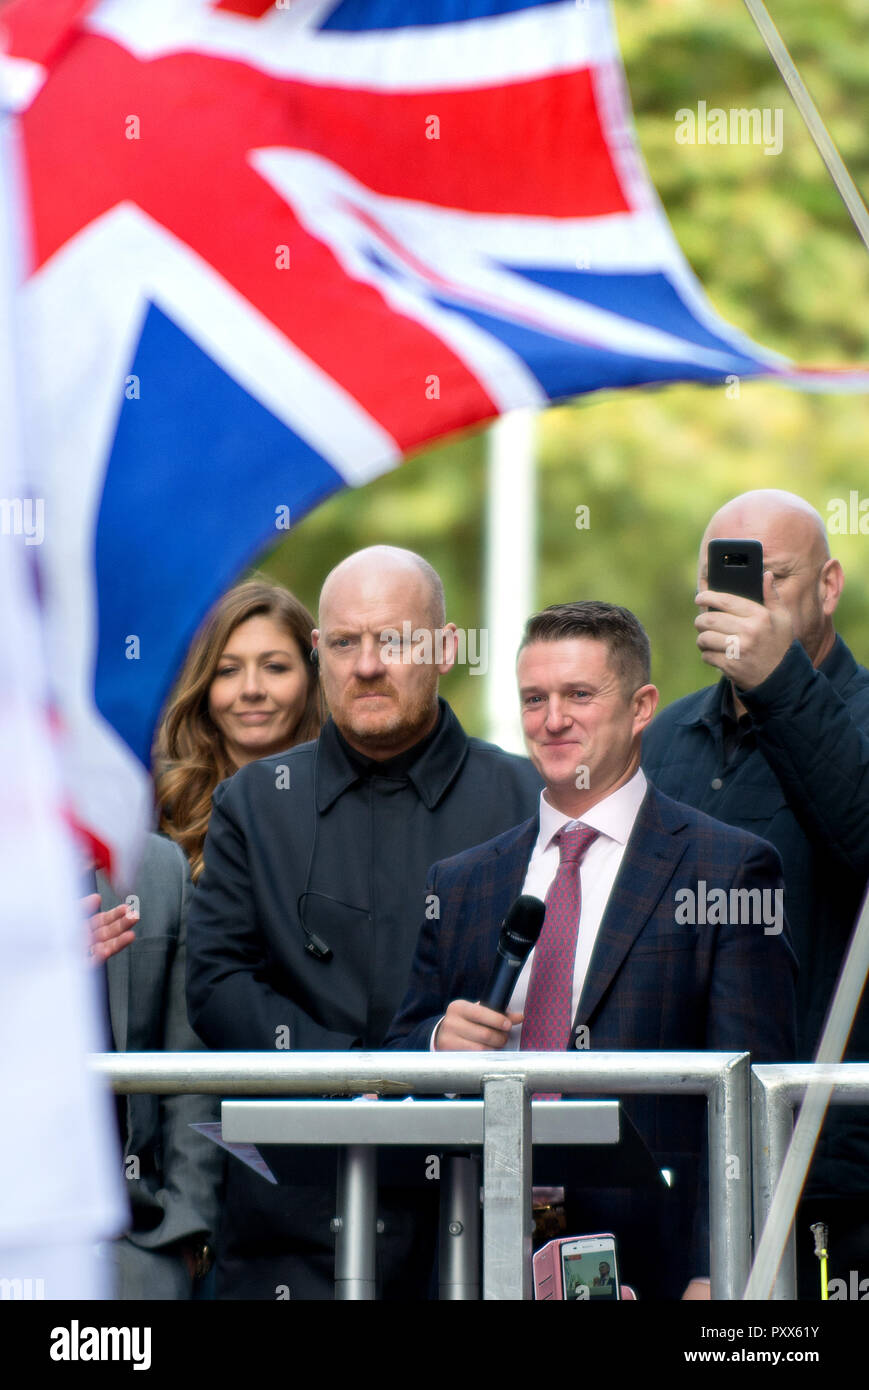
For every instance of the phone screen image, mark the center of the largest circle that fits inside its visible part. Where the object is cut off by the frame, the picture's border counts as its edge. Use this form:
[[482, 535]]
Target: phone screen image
[[589, 1272]]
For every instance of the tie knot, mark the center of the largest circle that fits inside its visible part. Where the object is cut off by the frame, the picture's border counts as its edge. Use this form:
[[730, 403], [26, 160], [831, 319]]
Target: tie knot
[[573, 841]]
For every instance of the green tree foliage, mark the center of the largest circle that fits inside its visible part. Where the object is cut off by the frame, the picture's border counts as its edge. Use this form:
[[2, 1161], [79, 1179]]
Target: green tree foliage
[[777, 254]]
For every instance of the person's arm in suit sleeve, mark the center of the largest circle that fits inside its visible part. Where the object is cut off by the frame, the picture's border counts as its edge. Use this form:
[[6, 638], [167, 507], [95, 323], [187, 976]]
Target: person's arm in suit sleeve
[[751, 1004], [430, 1005], [192, 1165], [423, 1004], [230, 1002]]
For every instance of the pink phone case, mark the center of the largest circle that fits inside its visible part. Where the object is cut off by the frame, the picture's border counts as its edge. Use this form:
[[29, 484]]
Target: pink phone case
[[546, 1264]]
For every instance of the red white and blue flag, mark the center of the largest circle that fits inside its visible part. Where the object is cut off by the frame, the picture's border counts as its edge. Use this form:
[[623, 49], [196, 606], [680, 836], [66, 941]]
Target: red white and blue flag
[[276, 247]]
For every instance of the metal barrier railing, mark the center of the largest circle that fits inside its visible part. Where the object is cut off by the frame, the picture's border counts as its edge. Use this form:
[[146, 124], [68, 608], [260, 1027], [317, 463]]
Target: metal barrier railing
[[444, 1125], [507, 1081], [776, 1091], [360, 1134]]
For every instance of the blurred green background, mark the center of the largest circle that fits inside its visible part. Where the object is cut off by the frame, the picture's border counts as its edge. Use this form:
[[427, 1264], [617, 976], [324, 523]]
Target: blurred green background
[[779, 258]]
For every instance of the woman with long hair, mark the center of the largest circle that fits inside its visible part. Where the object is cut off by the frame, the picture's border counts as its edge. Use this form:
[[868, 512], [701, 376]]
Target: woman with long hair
[[247, 689]]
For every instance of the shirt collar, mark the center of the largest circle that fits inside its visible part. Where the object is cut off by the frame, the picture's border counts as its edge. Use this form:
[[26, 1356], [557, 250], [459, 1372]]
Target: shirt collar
[[708, 710], [728, 708], [395, 768], [612, 816], [431, 775]]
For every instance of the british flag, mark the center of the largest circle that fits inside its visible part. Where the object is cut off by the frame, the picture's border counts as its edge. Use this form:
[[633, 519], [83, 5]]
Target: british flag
[[276, 247]]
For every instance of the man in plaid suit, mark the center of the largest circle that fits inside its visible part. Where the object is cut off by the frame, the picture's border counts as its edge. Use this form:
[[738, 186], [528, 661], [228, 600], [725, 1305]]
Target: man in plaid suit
[[664, 929]]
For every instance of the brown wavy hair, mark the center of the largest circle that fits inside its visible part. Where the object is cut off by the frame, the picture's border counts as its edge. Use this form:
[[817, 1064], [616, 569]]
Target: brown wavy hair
[[189, 755]]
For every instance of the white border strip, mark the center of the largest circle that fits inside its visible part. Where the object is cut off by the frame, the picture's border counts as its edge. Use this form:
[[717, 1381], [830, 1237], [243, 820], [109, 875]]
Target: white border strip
[[493, 51]]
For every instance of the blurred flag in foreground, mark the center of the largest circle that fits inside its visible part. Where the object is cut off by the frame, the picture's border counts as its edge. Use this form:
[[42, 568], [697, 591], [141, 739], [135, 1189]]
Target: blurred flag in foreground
[[60, 1180], [277, 246]]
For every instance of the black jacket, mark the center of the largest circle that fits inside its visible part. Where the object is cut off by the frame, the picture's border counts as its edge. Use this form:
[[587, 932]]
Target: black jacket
[[798, 777], [304, 843]]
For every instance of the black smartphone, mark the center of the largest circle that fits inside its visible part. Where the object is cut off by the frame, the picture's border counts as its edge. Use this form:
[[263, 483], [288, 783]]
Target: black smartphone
[[736, 567]]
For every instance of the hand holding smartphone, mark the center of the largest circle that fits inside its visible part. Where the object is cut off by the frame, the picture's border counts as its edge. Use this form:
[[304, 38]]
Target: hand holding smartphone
[[578, 1269]]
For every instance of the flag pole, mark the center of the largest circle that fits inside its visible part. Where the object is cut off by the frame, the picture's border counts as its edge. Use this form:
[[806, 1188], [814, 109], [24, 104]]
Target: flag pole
[[511, 523], [845, 185]]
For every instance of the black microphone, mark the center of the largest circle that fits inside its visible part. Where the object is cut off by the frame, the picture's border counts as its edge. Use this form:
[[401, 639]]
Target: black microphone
[[519, 932]]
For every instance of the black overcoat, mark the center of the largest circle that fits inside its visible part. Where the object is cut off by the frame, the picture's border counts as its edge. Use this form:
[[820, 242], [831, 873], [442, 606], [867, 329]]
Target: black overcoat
[[299, 846]]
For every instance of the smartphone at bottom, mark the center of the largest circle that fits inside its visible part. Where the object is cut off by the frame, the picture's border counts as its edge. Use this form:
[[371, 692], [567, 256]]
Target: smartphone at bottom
[[589, 1269]]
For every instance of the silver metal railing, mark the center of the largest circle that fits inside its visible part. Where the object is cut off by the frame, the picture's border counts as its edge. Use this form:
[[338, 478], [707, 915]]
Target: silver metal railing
[[439, 1124], [776, 1091], [506, 1082]]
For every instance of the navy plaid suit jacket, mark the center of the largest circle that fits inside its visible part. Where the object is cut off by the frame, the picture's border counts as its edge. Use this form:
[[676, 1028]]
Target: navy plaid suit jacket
[[653, 982]]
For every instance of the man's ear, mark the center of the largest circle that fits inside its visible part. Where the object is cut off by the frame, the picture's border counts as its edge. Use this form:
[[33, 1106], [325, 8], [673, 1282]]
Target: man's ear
[[645, 703], [832, 582], [449, 649]]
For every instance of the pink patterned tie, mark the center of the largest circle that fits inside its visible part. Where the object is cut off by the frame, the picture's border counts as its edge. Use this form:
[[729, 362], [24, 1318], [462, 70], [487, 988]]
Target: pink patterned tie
[[549, 1002]]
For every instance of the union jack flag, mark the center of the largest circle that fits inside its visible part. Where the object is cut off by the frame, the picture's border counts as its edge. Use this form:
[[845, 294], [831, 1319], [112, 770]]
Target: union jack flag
[[276, 247]]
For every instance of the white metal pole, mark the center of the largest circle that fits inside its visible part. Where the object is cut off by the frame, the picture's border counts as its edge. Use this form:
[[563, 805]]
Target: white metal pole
[[511, 526]]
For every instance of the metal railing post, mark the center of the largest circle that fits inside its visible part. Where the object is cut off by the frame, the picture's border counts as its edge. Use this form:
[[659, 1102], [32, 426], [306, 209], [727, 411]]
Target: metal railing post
[[730, 1180], [356, 1223], [506, 1188], [459, 1246], [776, 1091], [772, 1124]]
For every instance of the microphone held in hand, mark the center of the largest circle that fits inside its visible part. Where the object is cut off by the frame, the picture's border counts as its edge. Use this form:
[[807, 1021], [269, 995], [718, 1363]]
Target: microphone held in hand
[[519, 932]]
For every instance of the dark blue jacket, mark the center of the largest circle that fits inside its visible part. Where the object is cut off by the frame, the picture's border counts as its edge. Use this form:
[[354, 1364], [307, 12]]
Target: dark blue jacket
[[800, 779]]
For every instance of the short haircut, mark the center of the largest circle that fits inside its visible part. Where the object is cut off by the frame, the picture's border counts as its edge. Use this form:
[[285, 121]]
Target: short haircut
[[625, 637]]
